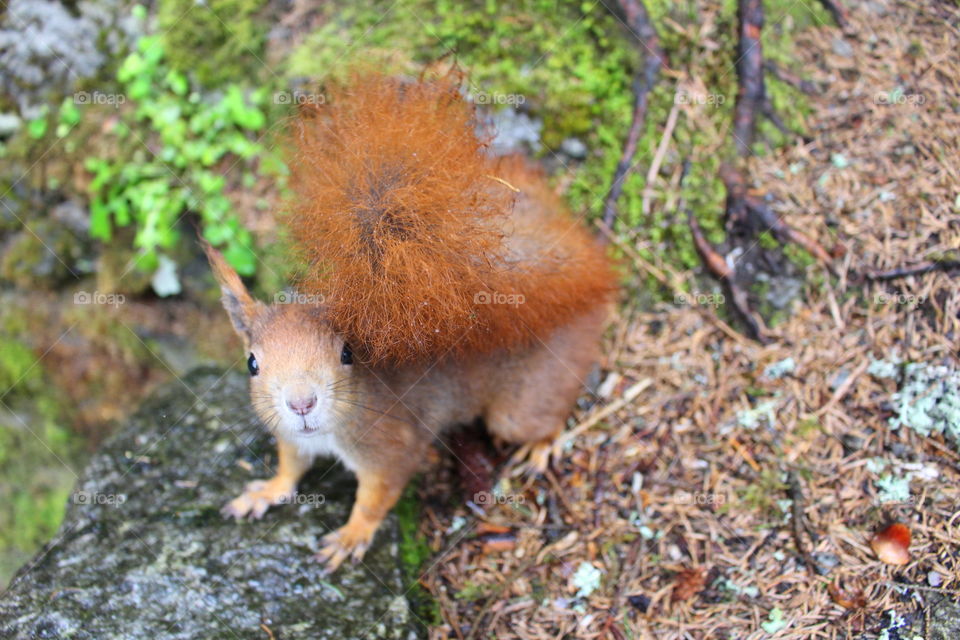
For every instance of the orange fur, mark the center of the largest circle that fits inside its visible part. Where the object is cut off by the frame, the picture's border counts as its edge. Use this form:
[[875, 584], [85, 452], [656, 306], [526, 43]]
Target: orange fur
[[405, 224]]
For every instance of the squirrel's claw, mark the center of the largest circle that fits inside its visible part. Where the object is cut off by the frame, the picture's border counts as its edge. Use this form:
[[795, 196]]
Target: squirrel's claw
[[533, 458], [257, 497], [339, 545]]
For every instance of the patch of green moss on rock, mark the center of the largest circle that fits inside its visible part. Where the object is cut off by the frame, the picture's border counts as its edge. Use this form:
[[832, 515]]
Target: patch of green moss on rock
[[217, 40], [145, 535]]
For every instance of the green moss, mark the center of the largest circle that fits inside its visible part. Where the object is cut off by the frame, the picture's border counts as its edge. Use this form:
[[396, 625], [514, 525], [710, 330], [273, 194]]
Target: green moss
[[36, 453], [217, 40], [763, 493], [42, 256], [474, 591], [414, 553]]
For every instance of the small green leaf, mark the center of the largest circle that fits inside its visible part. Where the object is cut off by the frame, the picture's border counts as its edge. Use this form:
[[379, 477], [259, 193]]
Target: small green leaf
[[99, 220], [245, 116], [217, 234], [177, 82], [69, 114], [37, 128], [240, 258]]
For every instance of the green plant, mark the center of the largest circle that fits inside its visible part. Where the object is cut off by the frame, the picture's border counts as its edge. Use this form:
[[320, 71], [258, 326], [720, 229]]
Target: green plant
[[193, 135], [414, 553]]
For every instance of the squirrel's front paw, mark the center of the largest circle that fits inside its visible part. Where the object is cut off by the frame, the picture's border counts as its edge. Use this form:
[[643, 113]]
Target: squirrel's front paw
[[346, 542], [257, 497]]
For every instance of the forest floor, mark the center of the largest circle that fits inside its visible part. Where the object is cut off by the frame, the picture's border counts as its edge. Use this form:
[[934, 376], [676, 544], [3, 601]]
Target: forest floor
[[671, 513]]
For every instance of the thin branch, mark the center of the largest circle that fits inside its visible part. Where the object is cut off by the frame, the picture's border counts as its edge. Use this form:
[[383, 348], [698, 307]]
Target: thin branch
[[787, 234], [750, 73], [727, 276], [787, 77], [916, 270], [638, 20]]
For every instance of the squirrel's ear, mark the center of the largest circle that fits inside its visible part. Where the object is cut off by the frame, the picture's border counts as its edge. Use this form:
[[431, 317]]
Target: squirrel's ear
[[241, 308]]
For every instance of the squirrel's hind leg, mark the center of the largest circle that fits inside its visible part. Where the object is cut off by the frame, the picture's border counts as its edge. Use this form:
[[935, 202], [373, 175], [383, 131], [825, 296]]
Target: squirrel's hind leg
[[538, 388], [532, 413]]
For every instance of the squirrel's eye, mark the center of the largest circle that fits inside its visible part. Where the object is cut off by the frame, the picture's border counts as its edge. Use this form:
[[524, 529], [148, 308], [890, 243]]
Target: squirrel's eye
[[252, 365], [346, 356]]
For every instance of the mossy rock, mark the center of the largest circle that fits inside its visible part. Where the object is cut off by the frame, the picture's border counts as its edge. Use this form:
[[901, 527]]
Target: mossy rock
[[143, 551], [217, 40], [43, 254]]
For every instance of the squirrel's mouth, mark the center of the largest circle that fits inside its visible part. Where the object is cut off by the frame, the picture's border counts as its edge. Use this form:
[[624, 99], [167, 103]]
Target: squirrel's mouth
[[308, 431]]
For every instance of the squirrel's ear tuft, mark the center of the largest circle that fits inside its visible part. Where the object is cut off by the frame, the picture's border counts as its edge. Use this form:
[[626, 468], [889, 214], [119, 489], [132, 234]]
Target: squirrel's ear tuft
[[242, 309]]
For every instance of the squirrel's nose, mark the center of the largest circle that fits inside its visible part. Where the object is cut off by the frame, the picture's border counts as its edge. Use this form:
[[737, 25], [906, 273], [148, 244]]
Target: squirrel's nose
[[302, 406]]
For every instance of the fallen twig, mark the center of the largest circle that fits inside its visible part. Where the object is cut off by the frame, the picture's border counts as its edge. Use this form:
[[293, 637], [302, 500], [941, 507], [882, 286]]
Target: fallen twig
[[750, 93], [638, 21], [795, 492], [916, 270], [787, 77], [723, 272], [786, 234]]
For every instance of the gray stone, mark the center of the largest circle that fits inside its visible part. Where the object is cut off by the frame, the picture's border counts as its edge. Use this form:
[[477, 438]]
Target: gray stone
[[944, 617], [47, 47], [841, 47], [516, 132], [143, 551], [574, 147]]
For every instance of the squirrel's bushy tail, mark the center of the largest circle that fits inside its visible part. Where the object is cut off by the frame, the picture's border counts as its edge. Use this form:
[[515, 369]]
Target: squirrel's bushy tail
[[422, 244]]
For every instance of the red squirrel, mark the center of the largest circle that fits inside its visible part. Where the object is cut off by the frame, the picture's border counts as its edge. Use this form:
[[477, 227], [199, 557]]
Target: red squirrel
[[449, 285]]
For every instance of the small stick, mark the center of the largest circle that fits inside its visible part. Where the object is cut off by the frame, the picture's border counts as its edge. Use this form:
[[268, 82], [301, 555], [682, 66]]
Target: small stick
[[638, 20], [843, 388], [628, 396], [795, 492], [920, 587], [740, 449], [916, 270], [750, 92], [658, 157], [727, 276], [788, 77], [785, 233]]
